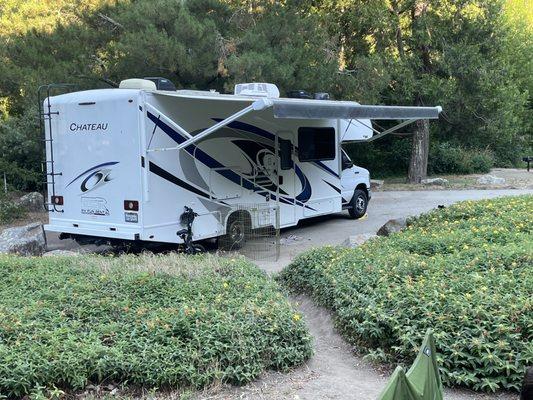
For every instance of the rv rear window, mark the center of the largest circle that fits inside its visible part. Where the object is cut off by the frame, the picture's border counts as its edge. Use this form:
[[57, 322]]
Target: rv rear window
[[315, 144]]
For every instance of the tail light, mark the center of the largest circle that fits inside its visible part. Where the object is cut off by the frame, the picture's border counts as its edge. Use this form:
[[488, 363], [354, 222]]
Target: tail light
[[57, 200], [131, 205]]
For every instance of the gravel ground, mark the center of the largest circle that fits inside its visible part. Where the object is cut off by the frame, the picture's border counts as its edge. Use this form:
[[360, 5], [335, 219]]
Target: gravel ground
[[514, 179]]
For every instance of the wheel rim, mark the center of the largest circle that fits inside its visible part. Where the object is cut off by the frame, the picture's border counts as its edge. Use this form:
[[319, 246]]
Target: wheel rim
[[236, 233], [360, 203]]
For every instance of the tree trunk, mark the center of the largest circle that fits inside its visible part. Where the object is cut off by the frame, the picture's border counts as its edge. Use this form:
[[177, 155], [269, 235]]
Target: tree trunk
[[418, 166]]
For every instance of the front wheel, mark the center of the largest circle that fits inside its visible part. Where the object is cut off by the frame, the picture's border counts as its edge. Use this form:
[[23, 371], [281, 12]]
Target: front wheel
[[198, 248], [358, 204], [194, 248]]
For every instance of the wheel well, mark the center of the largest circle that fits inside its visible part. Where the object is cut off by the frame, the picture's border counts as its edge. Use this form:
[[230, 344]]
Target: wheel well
[[362, 187], [239, 215]]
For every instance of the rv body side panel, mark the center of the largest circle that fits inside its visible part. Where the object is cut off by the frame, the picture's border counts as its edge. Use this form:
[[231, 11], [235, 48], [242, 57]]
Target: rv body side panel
[[105, 146], [237, 165], [97, 153]]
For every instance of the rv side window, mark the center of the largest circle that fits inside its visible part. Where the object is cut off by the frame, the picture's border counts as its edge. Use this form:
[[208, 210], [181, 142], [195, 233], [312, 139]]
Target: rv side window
[[316, 144]]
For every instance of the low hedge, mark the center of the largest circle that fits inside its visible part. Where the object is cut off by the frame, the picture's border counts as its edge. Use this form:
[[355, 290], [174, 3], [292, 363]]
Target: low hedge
[[465, 271], [153, 321]]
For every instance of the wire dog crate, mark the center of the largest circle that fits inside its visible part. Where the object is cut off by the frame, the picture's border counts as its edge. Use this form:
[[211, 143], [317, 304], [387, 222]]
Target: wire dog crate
[[256, 228]]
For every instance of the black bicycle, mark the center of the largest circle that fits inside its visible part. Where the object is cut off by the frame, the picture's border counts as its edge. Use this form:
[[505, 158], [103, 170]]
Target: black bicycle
[[187, 218]]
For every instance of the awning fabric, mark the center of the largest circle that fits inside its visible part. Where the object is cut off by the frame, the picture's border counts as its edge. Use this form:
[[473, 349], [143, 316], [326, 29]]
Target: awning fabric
[[316, 109]]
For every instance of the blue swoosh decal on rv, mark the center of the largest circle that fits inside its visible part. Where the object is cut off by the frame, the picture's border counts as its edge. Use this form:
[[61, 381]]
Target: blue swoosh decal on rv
[[243, 126], [91, 169], [209, 161], [305, 195]]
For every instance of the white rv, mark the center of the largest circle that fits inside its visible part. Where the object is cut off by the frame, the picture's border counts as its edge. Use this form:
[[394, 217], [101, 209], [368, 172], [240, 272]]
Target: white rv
[[122, 163]]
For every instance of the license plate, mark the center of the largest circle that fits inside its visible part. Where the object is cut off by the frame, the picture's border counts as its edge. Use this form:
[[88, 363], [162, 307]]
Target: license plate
[[131, 217]]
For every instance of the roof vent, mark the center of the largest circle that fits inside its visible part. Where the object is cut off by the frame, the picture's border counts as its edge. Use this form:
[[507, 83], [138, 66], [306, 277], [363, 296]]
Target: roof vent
[[257, 90], [161, 83], [142, 84], [299, 94]]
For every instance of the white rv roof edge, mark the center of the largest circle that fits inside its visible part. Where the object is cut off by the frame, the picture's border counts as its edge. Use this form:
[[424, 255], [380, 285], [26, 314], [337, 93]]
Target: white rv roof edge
[[282, 107], [200, 95]]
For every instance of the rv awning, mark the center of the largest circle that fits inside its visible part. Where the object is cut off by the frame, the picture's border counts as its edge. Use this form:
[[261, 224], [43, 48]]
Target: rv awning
[[316, 109], [313, 109]]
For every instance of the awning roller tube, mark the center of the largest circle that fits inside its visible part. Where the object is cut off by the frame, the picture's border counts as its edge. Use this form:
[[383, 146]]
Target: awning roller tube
[[347, 110]]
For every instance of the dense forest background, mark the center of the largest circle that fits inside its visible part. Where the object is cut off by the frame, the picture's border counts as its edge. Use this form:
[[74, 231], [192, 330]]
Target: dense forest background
[[474, 58]]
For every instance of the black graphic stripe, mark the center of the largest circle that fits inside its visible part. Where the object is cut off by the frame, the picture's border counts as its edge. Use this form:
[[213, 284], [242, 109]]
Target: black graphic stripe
[[338, 190], [175, 180]]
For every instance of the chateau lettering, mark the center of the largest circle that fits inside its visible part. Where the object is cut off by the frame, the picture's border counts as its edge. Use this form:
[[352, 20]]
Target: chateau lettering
[[88, 127]]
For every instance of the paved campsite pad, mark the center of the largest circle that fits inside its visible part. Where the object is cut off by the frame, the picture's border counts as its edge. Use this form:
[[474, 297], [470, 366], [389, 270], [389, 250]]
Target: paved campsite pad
[[384, 206]]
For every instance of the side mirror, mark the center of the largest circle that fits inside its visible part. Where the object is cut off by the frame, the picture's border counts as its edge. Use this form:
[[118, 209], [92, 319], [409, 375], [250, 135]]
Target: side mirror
[[347, 164]]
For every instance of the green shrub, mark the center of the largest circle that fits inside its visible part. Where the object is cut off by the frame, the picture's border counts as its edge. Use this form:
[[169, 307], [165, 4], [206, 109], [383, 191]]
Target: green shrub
[[155, 321], [465, 271], [9, 209], [448, 158]]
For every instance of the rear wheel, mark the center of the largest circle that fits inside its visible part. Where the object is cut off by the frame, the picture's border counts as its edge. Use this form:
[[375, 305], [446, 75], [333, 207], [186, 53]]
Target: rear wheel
[[235, 233], [358, 204]]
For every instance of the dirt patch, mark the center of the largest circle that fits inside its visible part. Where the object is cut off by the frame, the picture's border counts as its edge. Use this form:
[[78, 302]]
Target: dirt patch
[[28, 218], [514, 179]]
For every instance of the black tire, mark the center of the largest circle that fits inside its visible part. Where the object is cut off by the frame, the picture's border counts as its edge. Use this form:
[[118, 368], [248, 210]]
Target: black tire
[[193, 248], [198, 248], [235, 234], [358, 204]]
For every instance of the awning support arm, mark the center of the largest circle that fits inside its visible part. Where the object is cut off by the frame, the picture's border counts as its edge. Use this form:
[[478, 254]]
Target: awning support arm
[[258, 105], [390, 130]]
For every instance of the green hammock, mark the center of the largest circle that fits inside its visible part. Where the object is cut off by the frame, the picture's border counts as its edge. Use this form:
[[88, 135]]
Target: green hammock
[[422, 381]]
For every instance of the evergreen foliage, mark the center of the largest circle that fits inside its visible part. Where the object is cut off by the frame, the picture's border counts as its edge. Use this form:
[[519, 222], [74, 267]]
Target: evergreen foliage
[[471, 57]]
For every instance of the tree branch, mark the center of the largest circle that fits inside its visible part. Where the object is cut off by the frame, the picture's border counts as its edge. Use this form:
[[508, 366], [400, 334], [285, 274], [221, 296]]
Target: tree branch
[[111, 21]]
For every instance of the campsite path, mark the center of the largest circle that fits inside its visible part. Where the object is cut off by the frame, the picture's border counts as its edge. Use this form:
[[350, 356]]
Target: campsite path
[[335, 372]]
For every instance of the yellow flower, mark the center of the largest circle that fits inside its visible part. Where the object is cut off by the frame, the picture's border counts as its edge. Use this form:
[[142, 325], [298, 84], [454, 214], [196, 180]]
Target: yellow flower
[[296, 317]]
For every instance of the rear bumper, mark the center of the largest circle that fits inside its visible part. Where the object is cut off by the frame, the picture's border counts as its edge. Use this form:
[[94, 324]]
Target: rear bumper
[[97, 231]]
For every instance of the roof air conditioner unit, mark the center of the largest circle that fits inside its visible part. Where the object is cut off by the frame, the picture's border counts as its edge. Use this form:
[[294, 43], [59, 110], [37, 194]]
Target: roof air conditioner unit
[[135, 83], [257, 90]]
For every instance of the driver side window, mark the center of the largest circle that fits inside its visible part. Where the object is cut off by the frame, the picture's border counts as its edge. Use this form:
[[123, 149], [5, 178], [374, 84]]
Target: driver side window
[[346, 162]]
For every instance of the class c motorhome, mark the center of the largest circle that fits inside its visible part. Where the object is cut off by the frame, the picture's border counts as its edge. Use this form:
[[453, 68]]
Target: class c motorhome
[[122, 163]]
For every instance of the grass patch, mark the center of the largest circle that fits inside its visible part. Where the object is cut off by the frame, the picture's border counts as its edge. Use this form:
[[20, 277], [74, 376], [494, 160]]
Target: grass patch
[[152, 321], [465, 271]]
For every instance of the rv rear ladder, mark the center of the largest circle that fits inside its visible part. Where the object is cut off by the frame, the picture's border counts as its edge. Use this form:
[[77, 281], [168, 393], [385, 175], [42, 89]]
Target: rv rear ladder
[[48, 166]]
